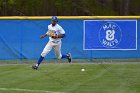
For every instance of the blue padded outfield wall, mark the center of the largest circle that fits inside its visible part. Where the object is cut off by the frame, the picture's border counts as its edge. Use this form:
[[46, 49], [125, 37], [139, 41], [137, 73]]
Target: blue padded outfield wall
[[85, 39]]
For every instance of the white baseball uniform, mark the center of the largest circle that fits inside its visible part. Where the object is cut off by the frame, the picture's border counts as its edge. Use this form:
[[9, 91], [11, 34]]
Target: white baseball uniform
[[54, 43]]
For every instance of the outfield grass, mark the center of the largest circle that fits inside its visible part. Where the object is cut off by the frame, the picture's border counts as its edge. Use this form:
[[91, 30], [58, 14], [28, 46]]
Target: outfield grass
[[68, 78]]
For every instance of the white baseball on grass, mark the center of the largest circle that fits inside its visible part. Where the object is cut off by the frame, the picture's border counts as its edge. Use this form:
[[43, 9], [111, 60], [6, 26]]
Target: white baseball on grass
[[82, 69]]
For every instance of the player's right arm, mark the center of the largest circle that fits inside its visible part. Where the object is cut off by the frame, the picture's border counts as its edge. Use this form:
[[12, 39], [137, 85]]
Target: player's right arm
[[46, 34], [43, 36]]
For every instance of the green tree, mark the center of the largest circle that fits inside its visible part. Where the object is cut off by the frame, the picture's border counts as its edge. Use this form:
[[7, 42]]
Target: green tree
[[69, 7]]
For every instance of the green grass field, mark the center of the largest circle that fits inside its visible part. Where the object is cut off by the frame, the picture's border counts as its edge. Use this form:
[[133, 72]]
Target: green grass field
[[68, 78]]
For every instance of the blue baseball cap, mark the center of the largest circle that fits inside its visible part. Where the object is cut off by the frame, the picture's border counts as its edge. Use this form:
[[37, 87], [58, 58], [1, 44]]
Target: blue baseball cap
[[54, 18]]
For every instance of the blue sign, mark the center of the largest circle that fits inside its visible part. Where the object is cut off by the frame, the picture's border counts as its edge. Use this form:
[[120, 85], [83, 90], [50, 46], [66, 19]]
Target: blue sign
[[110, 35]]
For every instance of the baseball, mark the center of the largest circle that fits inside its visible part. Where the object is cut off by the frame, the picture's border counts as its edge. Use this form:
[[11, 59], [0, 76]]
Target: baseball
[[82, 69]]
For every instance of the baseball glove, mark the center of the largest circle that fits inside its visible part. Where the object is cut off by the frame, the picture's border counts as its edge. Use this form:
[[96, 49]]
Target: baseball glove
[[50, 33]]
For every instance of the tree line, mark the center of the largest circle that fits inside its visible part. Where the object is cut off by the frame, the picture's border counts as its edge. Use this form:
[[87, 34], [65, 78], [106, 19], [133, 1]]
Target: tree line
[[69, 7]]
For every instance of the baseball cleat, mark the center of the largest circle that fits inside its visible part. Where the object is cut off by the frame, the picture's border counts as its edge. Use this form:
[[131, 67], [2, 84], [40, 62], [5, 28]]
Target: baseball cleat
[[69, 57], [35, 67]]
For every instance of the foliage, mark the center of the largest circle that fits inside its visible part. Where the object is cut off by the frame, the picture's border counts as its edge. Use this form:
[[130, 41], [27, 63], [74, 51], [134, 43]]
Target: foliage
[[69, 7]]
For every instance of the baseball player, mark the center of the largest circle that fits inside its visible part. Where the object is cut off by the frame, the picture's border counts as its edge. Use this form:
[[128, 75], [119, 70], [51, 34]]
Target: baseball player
[[54, 42]]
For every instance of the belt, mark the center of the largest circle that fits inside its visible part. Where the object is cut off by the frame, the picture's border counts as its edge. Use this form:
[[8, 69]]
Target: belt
[[55, 41]]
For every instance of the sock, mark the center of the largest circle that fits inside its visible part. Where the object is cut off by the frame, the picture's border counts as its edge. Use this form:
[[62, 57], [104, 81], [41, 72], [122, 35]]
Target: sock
[[64, 56], [39, 61]]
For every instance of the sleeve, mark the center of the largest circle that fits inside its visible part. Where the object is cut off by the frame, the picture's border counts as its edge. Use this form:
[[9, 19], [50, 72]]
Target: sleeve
[[48, 29], [61, 30]]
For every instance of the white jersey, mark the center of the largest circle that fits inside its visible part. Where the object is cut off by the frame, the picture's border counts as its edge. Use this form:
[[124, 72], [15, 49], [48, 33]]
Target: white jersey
[[57, 30]]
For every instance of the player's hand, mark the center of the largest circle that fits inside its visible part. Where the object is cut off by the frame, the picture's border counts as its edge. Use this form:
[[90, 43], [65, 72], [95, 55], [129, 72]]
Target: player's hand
[[42, 36]]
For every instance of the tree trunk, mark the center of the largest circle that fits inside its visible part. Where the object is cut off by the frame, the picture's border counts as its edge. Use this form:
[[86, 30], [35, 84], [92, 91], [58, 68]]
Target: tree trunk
[[126, 7]]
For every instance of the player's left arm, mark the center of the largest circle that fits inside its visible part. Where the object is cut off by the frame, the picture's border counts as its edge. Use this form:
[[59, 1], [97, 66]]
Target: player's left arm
[[62, 33], [61, 36]]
